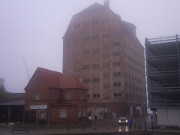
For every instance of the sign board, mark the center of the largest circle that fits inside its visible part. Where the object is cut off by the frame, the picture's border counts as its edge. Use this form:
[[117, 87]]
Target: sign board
[[38, 107]]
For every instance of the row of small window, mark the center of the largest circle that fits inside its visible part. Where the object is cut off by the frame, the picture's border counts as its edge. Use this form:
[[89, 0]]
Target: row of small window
[[81, 113], [96, 51], [133, 86], [94, 66], [115, 74], [68, 96], [86, 24], [135, 68], [97, 80], [137, 61], [136, 98], [117, 84], [98, 95], [94, 95], [117, 94], [132, 77], [96, 37]]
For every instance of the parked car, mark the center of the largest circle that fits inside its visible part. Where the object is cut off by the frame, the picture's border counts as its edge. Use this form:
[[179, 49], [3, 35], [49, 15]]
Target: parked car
[[123, 120]]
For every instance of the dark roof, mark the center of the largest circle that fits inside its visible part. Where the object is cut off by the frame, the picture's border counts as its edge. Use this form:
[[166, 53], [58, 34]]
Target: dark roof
[[96, 7], [57, 80], [15, 95], [13, 99], [12, 102]]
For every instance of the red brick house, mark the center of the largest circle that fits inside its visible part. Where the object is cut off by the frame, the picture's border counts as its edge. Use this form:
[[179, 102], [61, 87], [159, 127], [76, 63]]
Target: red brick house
[[54, 98]]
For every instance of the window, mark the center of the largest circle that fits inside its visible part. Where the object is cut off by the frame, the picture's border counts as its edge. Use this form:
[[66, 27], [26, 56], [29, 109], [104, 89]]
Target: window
[[106, 65], [117, 84], [88, 95], [63, 113], [86, 52], [106, 75], [116, 34], [94, 66], [54, 96], [68, 96], [117, 94], [116, 74], [106, 55], [86, 67], [116, 43], [105, 35], [116, 63], [43, 115], [80, 113], [81, 96], [86, 81], [86, 38], [116, 53], [96, 80], [84, 112], [96, 95], [95, 51], [37, 96], [95, 37]]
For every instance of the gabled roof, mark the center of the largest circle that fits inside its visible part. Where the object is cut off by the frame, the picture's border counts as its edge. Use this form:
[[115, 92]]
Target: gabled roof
[[51, 77], [57, 80], [70, 81], [96, 7]]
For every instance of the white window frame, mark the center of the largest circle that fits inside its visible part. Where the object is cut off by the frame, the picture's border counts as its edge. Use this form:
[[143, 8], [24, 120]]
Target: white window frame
[[81, 96], [37, 96], [79, 113], [43, 115], [84, 112], [63, 113], [54, 96], [68, 96]]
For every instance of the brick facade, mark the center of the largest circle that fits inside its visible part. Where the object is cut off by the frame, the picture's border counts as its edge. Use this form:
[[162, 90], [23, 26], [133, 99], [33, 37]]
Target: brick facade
[[49, 93], [103, 52]]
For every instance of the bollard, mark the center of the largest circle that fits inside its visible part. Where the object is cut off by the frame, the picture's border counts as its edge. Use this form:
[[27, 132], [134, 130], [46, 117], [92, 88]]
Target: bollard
[[67, 126], [83, 126], [135, 126], [145, 127], [152, 126]]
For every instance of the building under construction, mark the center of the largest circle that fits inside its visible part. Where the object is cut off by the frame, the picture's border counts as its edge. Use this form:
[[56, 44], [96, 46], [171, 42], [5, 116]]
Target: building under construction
[[163, 78]]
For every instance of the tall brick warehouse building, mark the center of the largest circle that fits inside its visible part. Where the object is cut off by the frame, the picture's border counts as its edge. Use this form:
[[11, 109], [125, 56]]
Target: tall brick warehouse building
[[103, 52]]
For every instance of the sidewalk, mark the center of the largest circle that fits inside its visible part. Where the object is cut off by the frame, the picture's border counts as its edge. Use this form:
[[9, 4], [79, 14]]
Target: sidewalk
[[56, 130]]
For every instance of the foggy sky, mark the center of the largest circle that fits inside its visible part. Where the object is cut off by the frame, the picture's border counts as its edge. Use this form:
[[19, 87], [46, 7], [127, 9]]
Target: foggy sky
[[33, 30]]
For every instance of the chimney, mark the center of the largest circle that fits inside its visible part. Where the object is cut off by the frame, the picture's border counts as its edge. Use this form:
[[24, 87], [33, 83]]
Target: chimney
[[106, 3]]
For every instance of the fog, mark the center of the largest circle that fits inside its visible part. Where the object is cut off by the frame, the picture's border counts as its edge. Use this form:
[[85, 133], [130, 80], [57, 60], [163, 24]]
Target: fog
[[33, 29]]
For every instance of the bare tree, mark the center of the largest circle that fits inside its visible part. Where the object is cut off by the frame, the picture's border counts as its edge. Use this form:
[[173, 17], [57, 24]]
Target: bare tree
[[3, 92]]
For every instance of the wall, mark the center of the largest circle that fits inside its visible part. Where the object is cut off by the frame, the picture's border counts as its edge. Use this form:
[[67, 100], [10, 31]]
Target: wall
[[171, 116]]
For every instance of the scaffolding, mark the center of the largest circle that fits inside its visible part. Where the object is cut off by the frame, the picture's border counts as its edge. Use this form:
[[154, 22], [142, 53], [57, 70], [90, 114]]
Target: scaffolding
[[163, 72]]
